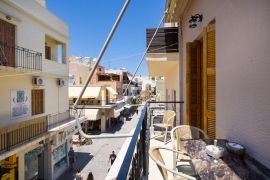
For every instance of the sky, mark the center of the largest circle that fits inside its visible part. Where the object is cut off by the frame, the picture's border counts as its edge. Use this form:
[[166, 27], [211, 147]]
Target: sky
[[90, 22]]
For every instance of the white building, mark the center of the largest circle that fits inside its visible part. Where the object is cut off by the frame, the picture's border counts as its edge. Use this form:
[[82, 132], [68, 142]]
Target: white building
[[34, 109]]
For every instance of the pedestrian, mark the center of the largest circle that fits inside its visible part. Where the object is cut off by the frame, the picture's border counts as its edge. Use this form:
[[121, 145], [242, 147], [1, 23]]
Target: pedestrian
[[78, 175], [112, 157], [90, 176], [71, 156]]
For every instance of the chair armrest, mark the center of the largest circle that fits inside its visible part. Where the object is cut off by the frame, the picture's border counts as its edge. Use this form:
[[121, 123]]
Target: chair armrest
[[168, 169]]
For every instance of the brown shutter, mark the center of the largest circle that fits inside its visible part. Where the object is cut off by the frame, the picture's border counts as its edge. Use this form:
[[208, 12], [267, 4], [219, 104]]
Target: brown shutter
[[7, 43], [209, 81], [37, 101], [47, 52], [193, 84]]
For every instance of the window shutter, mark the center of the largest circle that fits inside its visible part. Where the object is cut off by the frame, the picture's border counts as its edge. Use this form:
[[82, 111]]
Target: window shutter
[[37, 101], [47, 52], [193, 84], [210, 81]]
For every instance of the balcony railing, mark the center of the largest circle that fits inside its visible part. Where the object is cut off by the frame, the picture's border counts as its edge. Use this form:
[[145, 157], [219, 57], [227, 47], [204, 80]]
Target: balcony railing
[[165, 41], [56, 120], [19, 57], [23, 132], [134, 164]]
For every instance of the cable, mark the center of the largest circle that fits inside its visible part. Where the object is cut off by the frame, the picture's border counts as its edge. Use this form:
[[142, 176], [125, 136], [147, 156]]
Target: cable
[[142, 58]]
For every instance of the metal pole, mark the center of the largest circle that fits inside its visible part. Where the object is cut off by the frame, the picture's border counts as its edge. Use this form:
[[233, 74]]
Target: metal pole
[[102, 52], [142, 58]]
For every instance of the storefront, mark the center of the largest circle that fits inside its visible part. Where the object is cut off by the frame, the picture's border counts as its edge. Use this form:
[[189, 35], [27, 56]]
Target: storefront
[[60, 159], [35, 163]]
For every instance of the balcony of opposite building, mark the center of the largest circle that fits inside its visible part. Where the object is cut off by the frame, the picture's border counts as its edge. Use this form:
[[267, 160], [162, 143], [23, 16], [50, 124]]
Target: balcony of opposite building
[[163, 53]]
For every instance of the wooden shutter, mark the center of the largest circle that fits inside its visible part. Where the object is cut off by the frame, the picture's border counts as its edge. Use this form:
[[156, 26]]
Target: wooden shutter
[[193, 85], [7, 43], [47, 52], [209, 81], [37, 101]]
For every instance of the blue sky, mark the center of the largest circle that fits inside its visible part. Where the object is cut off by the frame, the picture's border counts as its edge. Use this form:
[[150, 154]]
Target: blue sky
[[90, 22]]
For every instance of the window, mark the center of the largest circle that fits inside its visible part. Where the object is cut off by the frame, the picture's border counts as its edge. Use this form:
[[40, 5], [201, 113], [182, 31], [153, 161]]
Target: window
[[48, 52], [37, 101]]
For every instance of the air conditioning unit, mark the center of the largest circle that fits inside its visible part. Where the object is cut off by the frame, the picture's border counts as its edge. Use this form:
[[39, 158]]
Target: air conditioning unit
[[60, 82], [38, 81]]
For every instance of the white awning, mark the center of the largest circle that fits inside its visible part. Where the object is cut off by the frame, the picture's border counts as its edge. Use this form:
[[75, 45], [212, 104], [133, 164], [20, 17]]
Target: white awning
[[90, 92], [111, 90], [92, 114]]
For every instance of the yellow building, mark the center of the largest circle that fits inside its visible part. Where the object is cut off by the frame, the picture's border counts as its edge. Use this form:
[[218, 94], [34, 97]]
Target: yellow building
[[34, 91]]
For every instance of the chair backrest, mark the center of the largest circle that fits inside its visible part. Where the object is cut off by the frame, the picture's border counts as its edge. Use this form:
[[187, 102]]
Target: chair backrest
[[156, 156], [186, 132], [168, 117]]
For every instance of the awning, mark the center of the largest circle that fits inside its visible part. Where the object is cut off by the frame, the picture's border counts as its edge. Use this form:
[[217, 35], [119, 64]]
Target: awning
[[90, 92], [92, 114], [111, 90]]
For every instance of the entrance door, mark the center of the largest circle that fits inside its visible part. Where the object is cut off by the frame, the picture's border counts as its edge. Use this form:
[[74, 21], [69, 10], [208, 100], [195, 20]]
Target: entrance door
[[209, 80], [193, 86], [201, 82], [7, 44]]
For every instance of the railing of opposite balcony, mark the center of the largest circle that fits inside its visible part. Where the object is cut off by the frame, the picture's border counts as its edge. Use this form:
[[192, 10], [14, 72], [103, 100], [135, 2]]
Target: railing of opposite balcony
[[19, 57]]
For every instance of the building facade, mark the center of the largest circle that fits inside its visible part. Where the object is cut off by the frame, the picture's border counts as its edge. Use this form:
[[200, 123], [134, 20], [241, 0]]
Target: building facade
[[34, 92], [223, 69]]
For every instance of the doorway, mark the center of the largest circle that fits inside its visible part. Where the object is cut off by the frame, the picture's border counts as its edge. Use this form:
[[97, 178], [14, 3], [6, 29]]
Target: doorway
[[201, 82]]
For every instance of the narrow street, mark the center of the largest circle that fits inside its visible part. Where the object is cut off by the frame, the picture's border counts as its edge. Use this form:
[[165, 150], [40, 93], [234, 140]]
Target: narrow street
[[95, 157]]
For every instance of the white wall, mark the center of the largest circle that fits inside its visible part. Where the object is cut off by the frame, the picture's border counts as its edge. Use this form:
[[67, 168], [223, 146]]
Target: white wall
[[242, 69], [56, 98], [30, 31]]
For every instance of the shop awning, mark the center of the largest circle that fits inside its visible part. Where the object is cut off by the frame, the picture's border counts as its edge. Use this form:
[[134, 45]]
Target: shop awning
[[92, 114], [90, 92], [111, 90]]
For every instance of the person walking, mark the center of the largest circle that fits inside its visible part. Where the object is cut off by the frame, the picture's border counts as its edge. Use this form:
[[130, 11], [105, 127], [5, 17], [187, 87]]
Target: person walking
[[78, 175], [112, 157], [90, 176], [71, 158]]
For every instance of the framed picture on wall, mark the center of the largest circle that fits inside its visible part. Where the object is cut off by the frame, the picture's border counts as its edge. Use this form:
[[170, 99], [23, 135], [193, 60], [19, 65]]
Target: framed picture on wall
[[20, 103]]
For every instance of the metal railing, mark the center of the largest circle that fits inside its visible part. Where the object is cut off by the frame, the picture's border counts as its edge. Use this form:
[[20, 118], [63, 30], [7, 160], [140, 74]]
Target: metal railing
[[19, 57], [59, 119], [135, 163]]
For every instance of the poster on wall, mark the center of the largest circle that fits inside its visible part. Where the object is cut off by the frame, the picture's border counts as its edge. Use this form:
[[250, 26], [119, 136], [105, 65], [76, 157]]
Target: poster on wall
[[20, 103]]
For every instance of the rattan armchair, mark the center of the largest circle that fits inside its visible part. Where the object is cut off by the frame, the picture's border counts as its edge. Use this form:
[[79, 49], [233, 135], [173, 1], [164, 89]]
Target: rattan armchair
[[167, 122], [156, 156], [181, 133]]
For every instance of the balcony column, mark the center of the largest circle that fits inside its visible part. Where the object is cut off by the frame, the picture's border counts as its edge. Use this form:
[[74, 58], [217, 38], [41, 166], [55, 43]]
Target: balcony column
[[21, 165], [103, 120], [103, 96]]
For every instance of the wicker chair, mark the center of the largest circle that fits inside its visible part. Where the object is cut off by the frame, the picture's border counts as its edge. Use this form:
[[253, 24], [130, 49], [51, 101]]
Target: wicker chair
[[157, 158], [167, 122], [181, 133]]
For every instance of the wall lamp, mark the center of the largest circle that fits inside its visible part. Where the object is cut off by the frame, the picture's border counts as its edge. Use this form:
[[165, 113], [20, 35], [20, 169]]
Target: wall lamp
[[194, 20]]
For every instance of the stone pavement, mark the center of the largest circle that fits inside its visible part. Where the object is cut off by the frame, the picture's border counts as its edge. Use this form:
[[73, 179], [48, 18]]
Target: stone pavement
[[95, 157]]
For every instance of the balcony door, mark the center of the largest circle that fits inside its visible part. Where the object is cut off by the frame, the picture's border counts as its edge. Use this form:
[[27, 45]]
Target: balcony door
[[7, 44], [201, 82]]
